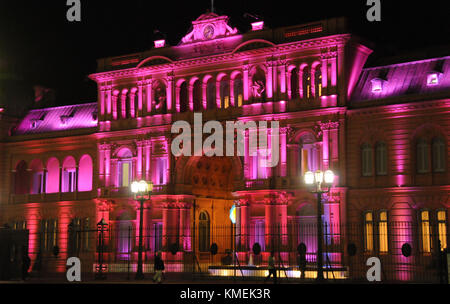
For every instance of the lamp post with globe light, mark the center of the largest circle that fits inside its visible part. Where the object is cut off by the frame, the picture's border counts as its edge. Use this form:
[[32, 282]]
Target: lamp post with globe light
[[319, 182], [141, 191]]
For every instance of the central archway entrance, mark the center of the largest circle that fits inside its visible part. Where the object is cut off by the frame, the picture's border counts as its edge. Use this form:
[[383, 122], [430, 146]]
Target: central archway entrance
[[211, 180]]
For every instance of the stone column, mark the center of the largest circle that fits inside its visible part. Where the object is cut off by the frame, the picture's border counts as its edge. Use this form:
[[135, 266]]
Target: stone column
[[140, 98], [169, 94], [232, 101], [115, 98], [102, 102], [123, 103], [147, 144], [245, 82], [269, 80], [139, 145], [132, 103], [108, 101], [218, 97], [191, 97], [107, 153], [149, 97], [269, 207], [244, 224], [101, 165], [204, 97]]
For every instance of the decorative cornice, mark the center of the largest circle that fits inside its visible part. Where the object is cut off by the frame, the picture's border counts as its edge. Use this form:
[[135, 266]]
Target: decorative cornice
[[288, 47]]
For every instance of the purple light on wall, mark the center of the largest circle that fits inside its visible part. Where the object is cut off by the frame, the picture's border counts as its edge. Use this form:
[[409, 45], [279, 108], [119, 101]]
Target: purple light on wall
[[377, 85], [433, 78]]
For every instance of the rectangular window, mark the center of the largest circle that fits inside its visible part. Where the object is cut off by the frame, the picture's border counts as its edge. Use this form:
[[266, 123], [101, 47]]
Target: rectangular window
[[425, 227], [226, 102], [383, 232], [368, 231], [69, 180], [442, 228], [124, 173], [38, 183], [157, 236], [239, 103], [160, 170]]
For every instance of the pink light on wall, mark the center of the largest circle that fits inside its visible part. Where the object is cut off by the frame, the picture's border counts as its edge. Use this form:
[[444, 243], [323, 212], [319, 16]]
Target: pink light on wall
[[257, 26], [160, 43]]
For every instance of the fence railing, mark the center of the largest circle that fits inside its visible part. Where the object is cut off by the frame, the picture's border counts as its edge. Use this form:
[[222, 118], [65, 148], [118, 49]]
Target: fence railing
[[408, 252]]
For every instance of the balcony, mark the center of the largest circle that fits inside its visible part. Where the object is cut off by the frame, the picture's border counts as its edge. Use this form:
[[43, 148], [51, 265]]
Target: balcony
[[122, 192], [50, 197]]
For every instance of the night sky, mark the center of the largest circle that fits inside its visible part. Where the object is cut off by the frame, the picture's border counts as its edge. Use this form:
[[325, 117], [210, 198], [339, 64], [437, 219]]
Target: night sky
[[40, 46]]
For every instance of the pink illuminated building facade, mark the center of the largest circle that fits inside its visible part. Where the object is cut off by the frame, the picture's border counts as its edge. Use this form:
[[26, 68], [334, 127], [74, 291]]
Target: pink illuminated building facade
[[383, 130]]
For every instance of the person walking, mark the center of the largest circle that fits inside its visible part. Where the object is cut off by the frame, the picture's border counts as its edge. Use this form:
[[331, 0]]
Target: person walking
[[159, 268], [272, 269]]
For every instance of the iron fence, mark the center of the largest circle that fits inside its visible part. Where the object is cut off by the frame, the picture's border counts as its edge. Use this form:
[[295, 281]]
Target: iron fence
[[408, 252]]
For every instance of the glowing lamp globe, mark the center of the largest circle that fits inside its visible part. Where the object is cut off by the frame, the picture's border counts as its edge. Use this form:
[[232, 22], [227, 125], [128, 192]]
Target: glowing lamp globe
[[135, 187], [309, 178], [142, 186], [233, 214], [329, 177]]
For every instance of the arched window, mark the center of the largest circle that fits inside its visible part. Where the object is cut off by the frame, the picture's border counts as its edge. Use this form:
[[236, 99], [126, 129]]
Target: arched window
[[85, 173], [69, 175], [258, 85], [366, 159], [318, 81], [238, 91], [309, 157], [159, 96], [306, 81], [203, 232], [425, 231], [224, 92], [294, 83], [197, 96], [184, 97], [37, 177], [124, 167], [439, 154], [423, 156], [211, 102], [442, 228], [21, 181], [381, 158], [52, 180], [368, 231], [383, 232]]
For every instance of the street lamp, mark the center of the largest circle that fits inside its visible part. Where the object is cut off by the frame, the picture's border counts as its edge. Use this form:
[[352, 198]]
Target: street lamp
[[142, 191], [320, 182], [101, 227]]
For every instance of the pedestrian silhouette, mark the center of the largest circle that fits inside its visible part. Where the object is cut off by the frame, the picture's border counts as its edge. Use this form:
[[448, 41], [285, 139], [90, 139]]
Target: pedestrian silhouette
[[272, 269], [159, 268]]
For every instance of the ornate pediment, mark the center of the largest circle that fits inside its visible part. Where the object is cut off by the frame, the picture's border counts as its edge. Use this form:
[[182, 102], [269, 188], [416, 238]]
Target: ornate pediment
[[207, 27]]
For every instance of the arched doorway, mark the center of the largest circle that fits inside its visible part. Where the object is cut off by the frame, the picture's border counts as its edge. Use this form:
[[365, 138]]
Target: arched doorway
[[211, 180]]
